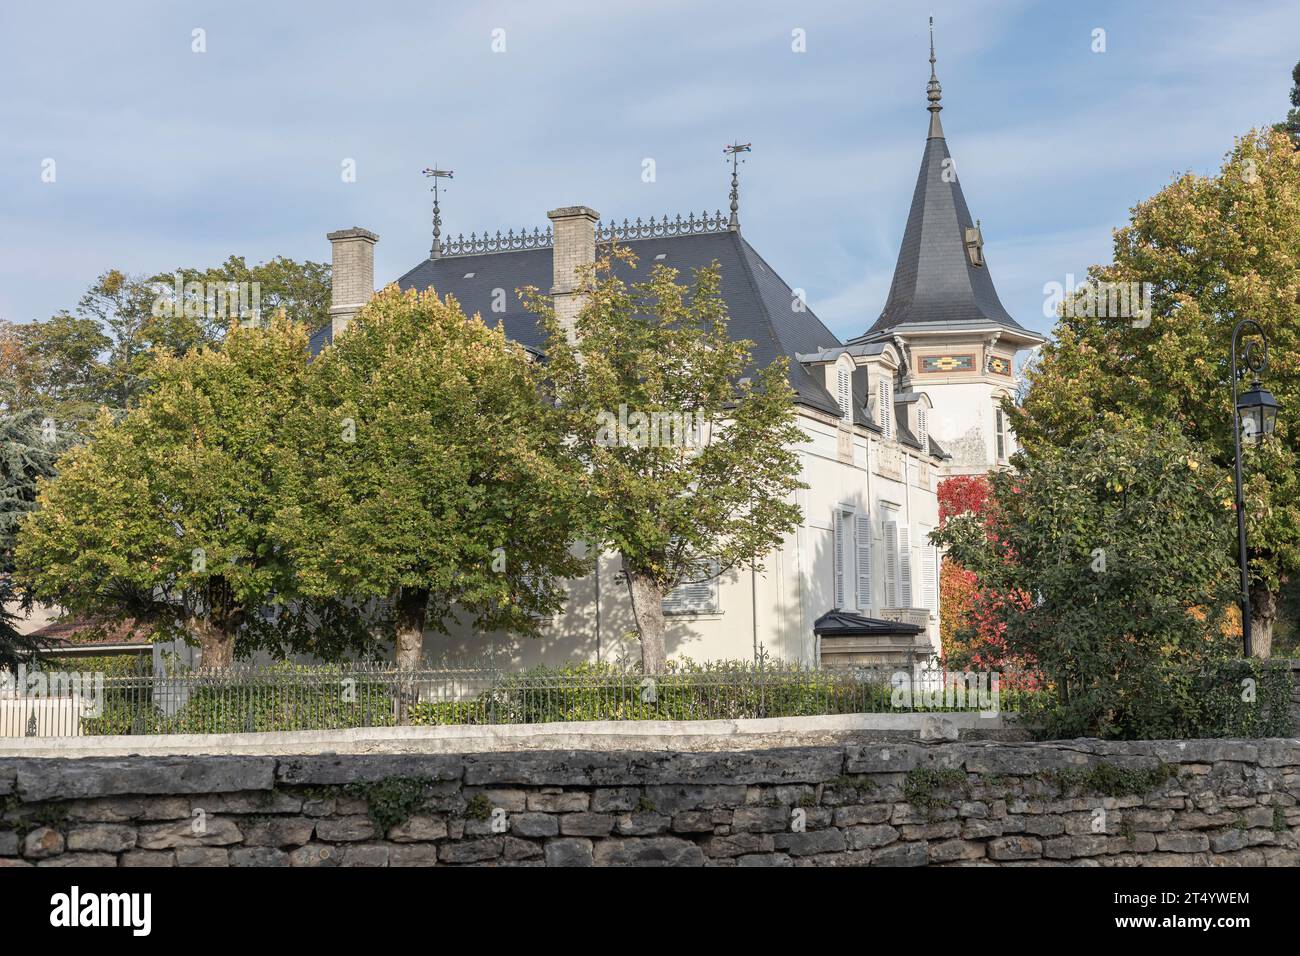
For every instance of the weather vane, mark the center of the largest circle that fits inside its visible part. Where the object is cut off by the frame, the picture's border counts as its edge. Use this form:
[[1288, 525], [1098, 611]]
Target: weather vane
[[734, 150], [436, 174]]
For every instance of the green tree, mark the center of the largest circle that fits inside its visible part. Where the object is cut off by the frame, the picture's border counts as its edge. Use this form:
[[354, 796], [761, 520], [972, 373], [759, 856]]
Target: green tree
[[165, 514], [54, 366], [1117, 548], [1291, 125], [144, 317], [432, 474], [1213, 250], [703, 479], [29, 446], [72, 363]]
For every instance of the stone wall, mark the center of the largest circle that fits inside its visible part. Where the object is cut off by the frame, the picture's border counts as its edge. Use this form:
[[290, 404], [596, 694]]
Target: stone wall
[[1224, 802]]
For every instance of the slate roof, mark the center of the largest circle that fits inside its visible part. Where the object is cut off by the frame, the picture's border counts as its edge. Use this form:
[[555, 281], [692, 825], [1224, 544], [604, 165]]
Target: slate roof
[[935, 282], [848, 624], [758, 302]]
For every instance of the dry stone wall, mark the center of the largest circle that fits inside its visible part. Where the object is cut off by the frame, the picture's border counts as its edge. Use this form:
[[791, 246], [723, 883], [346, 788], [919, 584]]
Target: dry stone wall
[[1084, 803]]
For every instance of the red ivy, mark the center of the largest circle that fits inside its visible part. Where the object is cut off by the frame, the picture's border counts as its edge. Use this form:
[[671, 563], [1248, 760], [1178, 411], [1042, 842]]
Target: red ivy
[[961, 494]]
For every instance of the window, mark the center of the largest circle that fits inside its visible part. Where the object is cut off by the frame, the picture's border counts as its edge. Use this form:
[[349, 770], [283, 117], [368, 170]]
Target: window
[[885, 403], [1000, 433], [975, 244], [898, 564], [929, 572], [843, 530], [844, 383], [697, 596], [862, 535], [852, 559], [922, 429]]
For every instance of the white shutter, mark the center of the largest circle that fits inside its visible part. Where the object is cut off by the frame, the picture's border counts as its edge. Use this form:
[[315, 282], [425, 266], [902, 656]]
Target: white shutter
[[842, 531], [695, 596], [891, 562], [929, 573], [923, 431], [862, 529], [904, 566], [884, 398], [845, 383]]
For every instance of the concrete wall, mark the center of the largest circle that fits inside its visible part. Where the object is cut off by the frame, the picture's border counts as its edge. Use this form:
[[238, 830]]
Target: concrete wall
[[893, 803]]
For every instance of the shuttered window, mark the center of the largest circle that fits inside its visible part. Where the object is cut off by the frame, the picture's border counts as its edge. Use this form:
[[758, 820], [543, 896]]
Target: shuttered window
[[843, 543], [862, 536], [904, 566], [898, 564], [922, 429], [885, 403], [929, 573], [697, 596], [844, 381]]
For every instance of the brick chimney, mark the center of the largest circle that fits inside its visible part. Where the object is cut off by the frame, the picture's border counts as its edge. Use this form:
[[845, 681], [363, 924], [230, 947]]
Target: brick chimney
[[575, 247], [352, 281]]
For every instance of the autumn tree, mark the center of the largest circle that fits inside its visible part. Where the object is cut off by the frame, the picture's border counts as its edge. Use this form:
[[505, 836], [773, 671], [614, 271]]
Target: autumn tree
[[431, 474], [962, 634], [165, 514], [1209, 251], [1119, 546], [687, 446]]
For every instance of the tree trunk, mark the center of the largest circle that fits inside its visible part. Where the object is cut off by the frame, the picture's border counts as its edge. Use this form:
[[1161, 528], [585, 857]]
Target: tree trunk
[[648, 612], [216, 647], [411, 605], [1263, 611]]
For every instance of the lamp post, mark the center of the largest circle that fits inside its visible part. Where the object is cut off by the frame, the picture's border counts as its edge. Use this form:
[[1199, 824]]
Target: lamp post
[[1254, 416]]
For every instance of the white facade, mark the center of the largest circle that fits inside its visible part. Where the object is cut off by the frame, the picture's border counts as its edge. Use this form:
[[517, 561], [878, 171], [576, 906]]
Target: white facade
[[879, 492]]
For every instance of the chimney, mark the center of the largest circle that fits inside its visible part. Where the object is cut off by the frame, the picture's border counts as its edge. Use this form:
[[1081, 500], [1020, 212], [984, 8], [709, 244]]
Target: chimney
[[352, 281], [575, 247]]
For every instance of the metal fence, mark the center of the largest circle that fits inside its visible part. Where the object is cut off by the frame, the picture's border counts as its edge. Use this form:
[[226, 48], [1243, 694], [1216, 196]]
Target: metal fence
[[285, 697]]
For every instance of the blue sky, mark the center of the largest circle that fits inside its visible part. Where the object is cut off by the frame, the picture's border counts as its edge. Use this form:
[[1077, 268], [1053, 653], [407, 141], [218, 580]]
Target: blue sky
[[166, 157]]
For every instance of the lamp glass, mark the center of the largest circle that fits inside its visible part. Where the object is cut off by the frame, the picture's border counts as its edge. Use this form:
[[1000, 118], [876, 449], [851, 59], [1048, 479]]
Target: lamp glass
[[1258, 411]]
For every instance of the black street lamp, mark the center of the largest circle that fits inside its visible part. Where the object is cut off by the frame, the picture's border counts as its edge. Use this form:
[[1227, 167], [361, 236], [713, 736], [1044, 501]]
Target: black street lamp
[[1254, 414]]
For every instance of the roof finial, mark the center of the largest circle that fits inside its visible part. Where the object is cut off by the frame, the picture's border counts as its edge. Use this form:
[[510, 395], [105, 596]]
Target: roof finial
[[735, 149], [435, 251], [933, 92]]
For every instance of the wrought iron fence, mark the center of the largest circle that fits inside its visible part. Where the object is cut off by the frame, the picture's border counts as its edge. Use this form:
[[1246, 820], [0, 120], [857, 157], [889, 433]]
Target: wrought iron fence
[[283, 697]]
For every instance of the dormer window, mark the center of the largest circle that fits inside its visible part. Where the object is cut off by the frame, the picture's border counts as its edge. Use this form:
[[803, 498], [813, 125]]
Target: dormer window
[[975, 244], [922, 430]]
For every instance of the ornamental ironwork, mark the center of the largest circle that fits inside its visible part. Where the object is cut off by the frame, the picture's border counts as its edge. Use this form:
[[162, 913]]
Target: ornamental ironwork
[[652, 228], [474, 244]]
